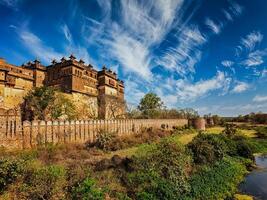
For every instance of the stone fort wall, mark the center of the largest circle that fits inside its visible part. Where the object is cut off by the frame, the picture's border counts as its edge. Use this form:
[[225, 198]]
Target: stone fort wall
[[16, 135]]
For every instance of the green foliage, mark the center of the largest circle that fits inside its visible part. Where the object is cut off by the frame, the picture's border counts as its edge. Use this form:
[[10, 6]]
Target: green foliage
[[218, 181], [104, 140], [257, 118], [161, 173], [207, 148], [37, 103], [230, 130], [257, 145], [244, 149], [45, 103], [261, 132], [87, 190], [10, 170], [62, 107], [150, 104], [43, 183]]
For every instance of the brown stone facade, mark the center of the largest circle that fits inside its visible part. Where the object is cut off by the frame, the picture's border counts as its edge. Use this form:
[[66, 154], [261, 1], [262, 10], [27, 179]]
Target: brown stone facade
[[85, 84]]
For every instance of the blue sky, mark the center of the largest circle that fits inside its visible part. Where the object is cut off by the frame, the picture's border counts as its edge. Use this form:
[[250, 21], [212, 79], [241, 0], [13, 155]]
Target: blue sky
[[205, 54]]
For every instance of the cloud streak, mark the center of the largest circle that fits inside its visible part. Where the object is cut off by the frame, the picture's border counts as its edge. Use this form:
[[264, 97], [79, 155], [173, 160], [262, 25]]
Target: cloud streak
[[260, 98], [191, 91], [216, 28], [240, 87], [183, 57]]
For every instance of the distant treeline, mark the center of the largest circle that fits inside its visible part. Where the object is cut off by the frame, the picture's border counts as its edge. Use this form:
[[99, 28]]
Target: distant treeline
[[152, 107], [256, 118]]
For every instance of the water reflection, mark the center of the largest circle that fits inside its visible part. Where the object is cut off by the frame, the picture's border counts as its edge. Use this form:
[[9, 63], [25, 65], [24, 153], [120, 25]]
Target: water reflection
[[255, 183]]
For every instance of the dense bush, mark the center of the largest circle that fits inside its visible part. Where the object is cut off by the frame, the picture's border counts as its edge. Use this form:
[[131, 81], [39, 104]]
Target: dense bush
[[207, 148], [10, 169], [261, 132], [104, 140], [218, 181], [230, 130], [161, 173], [43, 183], [111, 142], [87, 190]]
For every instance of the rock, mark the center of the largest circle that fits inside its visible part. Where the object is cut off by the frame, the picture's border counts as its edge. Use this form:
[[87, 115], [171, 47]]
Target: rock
[[116, 160], [104, 164]]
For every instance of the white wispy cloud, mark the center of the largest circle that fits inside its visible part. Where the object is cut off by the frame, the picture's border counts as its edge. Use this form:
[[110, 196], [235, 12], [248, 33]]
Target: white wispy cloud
[[255, 58], [187, 91], [227, 63], [80, 51], [183, 57], [259, 98], [240, 87], [67, 33], [227, 15], [37, 47], [216, 28], [251, 40], [10, 3], [141, 25], [127, 49], [132, 90], [234, 110]]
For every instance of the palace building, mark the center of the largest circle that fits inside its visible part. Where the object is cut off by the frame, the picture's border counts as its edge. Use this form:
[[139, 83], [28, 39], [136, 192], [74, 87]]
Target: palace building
[[100, 91]]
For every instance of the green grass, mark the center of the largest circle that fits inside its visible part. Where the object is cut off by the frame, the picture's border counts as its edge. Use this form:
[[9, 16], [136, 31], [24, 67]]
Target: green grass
[[218, 181], [184, 138], [215, 130], [219, 129]]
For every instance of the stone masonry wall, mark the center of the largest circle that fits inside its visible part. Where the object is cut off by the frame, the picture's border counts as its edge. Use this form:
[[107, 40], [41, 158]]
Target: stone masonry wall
[[31, 134]]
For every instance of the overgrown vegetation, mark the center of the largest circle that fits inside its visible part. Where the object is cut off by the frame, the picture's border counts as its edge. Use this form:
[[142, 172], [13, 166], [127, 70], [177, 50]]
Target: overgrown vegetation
[[209, 167], [46, 103], [157, 176]]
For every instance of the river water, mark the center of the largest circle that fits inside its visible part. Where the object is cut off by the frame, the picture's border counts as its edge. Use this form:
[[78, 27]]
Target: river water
[[255, 183]]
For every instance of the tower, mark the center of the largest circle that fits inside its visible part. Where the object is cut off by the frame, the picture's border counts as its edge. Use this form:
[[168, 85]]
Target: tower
[[111, 95]]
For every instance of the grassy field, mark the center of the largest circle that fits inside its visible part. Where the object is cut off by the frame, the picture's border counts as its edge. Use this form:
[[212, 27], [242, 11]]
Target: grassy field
[[184, 138], [219, 129]]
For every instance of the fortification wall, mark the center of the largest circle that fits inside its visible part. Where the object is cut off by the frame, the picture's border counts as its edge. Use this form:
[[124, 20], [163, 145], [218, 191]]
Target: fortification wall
[[86, 106], [32, 134]]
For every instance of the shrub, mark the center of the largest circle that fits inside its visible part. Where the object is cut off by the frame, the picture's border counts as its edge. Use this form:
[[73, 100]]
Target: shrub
[[43, 183], [10, 169], [244, 149], [161, 173], [127, 141], [104, 140], [87, 190], [261, 132], [230, 130], [218, 181], [207, 148]]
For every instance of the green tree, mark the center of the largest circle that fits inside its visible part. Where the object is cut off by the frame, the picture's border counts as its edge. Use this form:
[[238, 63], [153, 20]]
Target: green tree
[[37, 103], [62, 107], [45, 103], [150, 105]]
